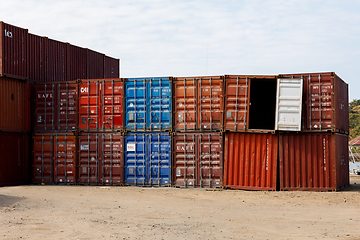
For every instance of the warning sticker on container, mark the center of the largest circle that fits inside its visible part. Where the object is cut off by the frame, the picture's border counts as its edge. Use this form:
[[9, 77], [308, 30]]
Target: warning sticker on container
[[130, 147], [84, 147]]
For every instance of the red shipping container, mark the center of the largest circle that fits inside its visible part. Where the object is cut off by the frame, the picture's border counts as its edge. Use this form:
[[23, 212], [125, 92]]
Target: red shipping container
[[313, 161], [76, 62], [101, 160], [198, 103], [250, 161], [101, 105], [111, 67], [55, 107], [95, 65], [15, 103], [43, 163], [36, 57], [13, 51], [325, 102], [14, 161], [56, 61], [197, 160]]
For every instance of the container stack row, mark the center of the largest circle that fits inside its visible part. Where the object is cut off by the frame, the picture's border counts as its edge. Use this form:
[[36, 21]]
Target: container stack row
[[26, 59]]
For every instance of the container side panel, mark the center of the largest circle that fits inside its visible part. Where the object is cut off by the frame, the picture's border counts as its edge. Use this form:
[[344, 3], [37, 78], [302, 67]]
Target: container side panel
[[342, 173], [37, 57], [56, 61], [112, 105], [43, 150], [76, 62], [341, 103], [111, 67], [89, 106], [65, 164], [95, 65], [135, 104], [112, 162], [89, 159], [45, 107], [66, 106]]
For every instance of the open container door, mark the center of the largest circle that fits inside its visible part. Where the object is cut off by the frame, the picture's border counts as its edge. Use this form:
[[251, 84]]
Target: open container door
[[288, 104]]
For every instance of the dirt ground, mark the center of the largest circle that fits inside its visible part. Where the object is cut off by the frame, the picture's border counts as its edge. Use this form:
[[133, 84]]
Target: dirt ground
[[80, 212]]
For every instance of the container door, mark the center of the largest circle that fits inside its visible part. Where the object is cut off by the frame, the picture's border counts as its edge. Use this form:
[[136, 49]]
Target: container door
[[135, 159], [64, 159], [67, 106], [210, 160], [89, 157], [43, 159], [89, 112], [135, 104], [288, 104], [112, 166], [185, 160], [159, 152], [45, 107], [112, 105], [159, 102]]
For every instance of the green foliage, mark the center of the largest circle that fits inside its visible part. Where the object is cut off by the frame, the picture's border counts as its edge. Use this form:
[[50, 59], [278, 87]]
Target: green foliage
[[354, 118]]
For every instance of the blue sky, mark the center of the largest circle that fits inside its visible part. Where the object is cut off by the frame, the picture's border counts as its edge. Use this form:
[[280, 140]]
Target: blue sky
[[195, 38]]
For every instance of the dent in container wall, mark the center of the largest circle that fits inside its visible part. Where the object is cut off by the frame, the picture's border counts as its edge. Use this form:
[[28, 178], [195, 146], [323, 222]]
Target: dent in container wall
[[250, 161], [15, 101], [36, 57], [147, 159], [325, 104], [197, 160], [100, 159], [313, 161], [14, 161], [198, 103], [13, 51], [101, 105], [148, 104]]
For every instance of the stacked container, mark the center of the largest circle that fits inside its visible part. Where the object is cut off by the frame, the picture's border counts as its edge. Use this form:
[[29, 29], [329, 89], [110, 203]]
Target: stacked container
[[100, 114], [147, 131], [197, 137]]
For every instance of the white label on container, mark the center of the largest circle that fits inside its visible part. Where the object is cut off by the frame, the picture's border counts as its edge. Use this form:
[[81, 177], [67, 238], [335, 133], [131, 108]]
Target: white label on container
[[130, 147], [84, 147]]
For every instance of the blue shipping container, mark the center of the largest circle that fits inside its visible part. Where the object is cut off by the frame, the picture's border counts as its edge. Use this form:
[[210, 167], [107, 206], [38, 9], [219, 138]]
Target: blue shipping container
[[148, 159], [148, 104]]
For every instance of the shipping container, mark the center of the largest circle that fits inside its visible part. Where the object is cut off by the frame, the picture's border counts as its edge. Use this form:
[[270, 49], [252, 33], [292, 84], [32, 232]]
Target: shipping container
[[111, 67], [13, 51], [56, 61], [198, 160], [250, 161], [198, 103], [43, 155], [325, 102], [101, 159], [313, 161], [15, 103], [262, 103], [36, 57], [148, 104], [15, 159], [101, 105], [95, 65], [76, 62], [65, 156], [55, 107], [148, 159]]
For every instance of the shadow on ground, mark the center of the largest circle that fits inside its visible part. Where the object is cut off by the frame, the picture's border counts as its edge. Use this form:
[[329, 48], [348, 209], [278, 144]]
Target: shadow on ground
[[6, 200]]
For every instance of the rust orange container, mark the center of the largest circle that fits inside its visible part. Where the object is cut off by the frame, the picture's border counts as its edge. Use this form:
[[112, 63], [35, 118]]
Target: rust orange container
[[43, 163], [55, 107], [65, 156], [313, 161], [325, 102], [250, 161], [101, 159], [15, 159], [111, 67], [197, 160], [249, 102], [13, 51], [101, 105], [198, 103], [15, 103]]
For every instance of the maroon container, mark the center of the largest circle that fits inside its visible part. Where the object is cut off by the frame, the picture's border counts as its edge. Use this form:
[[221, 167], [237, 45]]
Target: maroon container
[[250, 161], [111, 67], [14, 160], [36, 57], [15, 101], [65, 156], [313, 161], [95, 64], [13, 51], [56, 61], [43, 154], [325, 102], [197, 160], [76, 62], [55, 107], [101, 160]]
